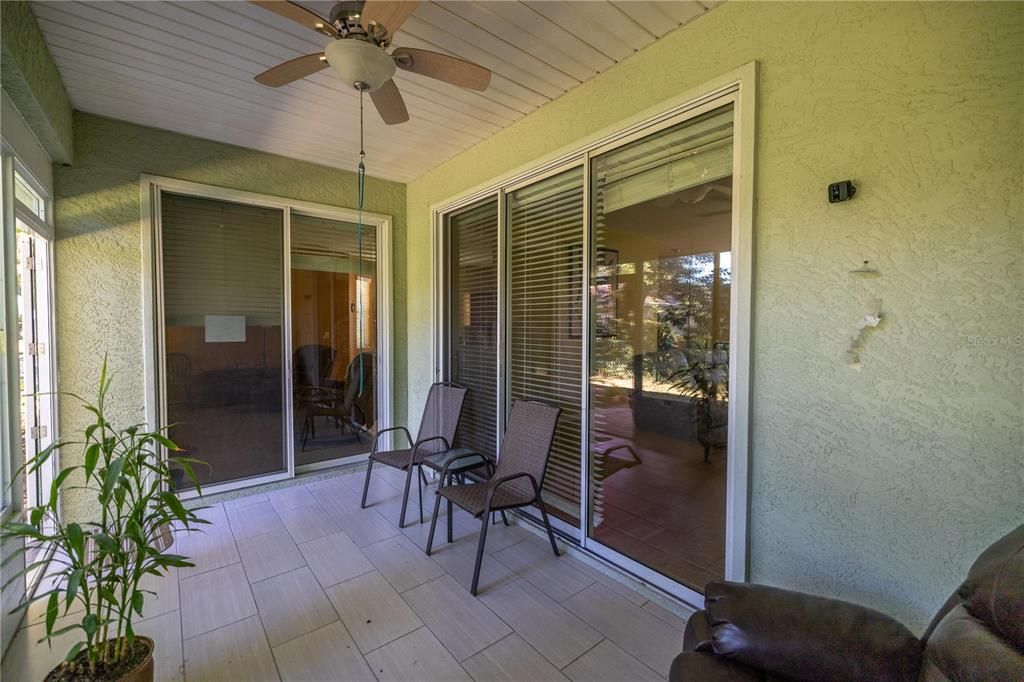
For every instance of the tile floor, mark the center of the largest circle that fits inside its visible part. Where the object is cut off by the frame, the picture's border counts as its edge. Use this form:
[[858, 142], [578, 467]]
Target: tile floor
[[302, 584]]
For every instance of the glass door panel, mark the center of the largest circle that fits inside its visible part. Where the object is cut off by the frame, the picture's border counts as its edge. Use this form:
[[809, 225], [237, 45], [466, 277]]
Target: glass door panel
[[223, 292], [472, 319], [661, 236], [545, 322], [334, 338]]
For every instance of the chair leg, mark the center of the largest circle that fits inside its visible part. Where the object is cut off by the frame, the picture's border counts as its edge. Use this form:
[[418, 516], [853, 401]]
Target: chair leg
[[419, 489], [405, 497], [504, 518], [433, 523], [479, 554], [547, 524], [366, 484], [450, 510]]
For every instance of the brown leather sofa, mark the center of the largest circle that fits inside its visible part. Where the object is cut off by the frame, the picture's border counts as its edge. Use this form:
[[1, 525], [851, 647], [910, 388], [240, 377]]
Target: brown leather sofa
[[764, 634]]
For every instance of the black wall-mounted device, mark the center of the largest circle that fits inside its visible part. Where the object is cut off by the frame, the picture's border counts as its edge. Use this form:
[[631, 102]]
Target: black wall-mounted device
[[841, 191]]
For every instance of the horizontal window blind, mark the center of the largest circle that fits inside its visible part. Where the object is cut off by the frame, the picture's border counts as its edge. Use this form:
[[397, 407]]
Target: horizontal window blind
[[221, 258], [473, 321], [694, 153], [545, 275]]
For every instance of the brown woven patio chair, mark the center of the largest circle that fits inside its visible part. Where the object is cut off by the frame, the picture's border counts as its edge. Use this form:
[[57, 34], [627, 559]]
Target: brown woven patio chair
[[517, 482], [437, 432]]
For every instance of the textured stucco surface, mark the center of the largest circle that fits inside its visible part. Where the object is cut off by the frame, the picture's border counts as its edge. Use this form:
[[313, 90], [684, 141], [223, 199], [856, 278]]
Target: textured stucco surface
[[879, 486], [99, 248], [31, 79]]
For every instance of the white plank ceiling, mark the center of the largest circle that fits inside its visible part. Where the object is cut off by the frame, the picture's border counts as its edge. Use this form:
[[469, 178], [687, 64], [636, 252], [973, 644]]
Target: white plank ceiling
[[189, 67]]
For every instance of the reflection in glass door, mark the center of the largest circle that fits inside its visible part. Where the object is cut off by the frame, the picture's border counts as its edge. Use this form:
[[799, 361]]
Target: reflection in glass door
[[223, 332], [661, 221], [334, 338]]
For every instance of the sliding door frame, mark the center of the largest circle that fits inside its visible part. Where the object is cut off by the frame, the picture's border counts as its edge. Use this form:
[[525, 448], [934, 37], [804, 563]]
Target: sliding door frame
[[152, 188], [738, 88]]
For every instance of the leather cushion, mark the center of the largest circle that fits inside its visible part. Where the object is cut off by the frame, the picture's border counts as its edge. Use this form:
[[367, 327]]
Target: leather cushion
[[698, 630], [804, 637], [963, 649], [695, 666], [994, 589]]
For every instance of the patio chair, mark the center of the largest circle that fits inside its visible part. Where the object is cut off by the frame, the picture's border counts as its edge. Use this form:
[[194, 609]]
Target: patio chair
[[517, 481], [437, 432]]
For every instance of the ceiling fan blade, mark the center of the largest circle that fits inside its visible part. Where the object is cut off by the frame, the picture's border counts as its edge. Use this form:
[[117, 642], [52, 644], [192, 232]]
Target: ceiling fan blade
[[298, 13], [443, 67], [292, 70], [390, 14], [390, 104]]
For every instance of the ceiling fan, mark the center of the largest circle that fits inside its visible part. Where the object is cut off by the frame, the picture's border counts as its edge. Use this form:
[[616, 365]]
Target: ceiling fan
[[362, 33]]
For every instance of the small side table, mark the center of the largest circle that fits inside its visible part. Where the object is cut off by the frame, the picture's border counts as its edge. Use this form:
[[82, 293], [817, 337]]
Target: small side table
[[438, 460]]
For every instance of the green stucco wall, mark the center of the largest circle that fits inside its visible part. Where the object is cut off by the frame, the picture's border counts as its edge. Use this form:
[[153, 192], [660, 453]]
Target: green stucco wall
[[30, 77], [99, 248], [880, 485]]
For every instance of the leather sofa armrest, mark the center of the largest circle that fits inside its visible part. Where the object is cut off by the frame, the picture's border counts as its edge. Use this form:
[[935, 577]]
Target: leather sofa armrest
[[697, 630], [804, 637]]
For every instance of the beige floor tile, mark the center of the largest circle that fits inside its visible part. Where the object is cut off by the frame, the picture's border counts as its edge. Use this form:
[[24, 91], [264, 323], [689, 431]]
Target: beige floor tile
[[165, 631], [550, 629], [676, 621], [291, 497], [292, 604], [270, 554], [329, 653], [556, 577], [642, 634], [214, 599], [334, 496], [372, 611], [616, 586], [379, 490], [403, 564], [209, 548], [365, 526], [308, 523], [608, 663], [334, 558], [244, 501], [235, 652], [463, 624], [512, 660], [254, 519], [458, 560], [28, 660], [463, 526], [415, 657], [500, 536], [165, 593]]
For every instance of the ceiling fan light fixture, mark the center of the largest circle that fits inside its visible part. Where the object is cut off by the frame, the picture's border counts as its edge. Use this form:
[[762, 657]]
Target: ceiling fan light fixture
[[358, 61]]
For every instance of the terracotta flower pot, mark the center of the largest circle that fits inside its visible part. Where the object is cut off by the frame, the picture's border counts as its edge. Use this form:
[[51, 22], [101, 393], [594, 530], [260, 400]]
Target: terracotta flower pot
[[143, 672]]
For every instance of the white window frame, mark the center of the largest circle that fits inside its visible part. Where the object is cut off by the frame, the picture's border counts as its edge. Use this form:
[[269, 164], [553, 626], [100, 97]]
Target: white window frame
[[13, 211], [738, 88], [152, 188]]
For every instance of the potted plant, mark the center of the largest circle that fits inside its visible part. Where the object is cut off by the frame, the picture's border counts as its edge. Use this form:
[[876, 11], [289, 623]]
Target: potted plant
[[101, 563], [705, 378]]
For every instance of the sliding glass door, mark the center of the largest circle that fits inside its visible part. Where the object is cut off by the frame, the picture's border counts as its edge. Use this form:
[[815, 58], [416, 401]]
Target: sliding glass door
[[608, 285], [472, 321], [223, 330], [334, 338], [661, 220], [545, 319]]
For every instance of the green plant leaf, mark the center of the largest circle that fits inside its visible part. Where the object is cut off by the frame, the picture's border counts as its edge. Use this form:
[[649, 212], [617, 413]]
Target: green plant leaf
[[92, 456], [36, 515], [74, 581], [110, 477], [165, 441], [75, 650], [105, 542], [51, 611], [171, 500], [76, 540], [90, 623], [138, 600]]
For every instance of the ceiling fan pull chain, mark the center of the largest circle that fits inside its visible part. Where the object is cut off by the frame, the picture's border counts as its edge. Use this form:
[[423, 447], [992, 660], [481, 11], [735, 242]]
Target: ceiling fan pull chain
[[361, 191]]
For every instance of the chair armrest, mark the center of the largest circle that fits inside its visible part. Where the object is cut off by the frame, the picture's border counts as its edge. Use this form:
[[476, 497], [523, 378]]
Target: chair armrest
[[803, 637], [456, 458], [494, 484], [381, 432], [417, 444], [697, 632]]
